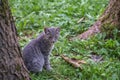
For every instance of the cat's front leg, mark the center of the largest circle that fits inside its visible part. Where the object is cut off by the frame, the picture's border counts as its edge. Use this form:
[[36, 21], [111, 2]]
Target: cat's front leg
[[47, 63]]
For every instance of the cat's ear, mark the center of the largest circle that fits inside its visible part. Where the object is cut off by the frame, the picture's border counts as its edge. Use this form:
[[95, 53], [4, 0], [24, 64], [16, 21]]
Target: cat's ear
[[46, 30], [58, 29]]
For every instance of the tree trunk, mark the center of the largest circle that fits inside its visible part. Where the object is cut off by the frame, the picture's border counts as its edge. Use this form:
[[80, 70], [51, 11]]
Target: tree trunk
[[11, 63], [109, 20]]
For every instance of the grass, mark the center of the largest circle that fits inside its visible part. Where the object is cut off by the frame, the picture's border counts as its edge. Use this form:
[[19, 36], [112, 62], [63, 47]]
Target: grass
[[33, 15]]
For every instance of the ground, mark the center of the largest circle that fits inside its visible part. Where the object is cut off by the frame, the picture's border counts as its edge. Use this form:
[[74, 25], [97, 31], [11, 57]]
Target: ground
[[31, 16]]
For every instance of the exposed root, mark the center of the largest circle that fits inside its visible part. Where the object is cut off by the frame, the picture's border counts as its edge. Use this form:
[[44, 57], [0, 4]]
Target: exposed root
[[91, 31], [110, 19]]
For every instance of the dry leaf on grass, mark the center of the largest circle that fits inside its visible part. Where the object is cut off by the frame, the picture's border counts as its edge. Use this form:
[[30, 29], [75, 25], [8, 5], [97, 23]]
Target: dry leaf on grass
[[75, 62], [96, 58]]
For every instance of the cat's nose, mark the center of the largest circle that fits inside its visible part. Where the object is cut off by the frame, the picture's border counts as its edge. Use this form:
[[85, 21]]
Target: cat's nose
[[53, 41]]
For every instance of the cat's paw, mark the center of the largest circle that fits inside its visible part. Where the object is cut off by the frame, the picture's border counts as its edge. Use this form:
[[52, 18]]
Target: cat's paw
[[49, 68]]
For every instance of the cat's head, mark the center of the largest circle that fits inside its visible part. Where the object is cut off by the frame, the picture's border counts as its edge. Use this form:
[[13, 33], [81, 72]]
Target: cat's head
[[52, 34]]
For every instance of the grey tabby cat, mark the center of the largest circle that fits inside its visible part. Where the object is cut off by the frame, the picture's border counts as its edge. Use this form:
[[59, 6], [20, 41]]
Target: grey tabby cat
[[36, 53]]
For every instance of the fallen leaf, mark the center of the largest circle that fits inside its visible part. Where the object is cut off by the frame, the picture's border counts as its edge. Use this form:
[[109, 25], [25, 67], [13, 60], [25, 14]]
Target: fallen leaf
[[75, 62], [95, 57]]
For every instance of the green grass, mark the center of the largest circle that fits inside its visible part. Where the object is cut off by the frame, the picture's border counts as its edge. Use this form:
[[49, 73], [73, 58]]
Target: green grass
[[33, 15]]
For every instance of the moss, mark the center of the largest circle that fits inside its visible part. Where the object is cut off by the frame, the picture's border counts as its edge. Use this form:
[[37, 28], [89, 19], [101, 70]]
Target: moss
[[104, 17], [108, 29]]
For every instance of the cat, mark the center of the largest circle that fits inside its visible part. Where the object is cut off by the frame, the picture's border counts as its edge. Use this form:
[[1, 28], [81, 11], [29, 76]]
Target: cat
[[36, 53]]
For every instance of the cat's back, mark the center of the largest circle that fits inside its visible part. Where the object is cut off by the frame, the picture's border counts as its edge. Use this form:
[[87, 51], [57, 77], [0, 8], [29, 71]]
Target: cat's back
[[33, 46], [29, 46]]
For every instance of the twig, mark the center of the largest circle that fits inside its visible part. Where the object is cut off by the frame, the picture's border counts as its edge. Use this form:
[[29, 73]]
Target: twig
[[80, 20]]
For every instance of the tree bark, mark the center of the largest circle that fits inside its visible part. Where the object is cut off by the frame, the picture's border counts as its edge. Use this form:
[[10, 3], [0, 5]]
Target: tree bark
[[11, 63], [109, 20]]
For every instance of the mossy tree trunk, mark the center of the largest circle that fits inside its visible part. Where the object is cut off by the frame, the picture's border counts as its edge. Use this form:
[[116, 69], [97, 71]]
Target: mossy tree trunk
[[11, 63], [110, 19]]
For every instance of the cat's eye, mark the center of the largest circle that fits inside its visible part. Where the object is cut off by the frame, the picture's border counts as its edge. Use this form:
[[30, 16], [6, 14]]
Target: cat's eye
[[50, 37]]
